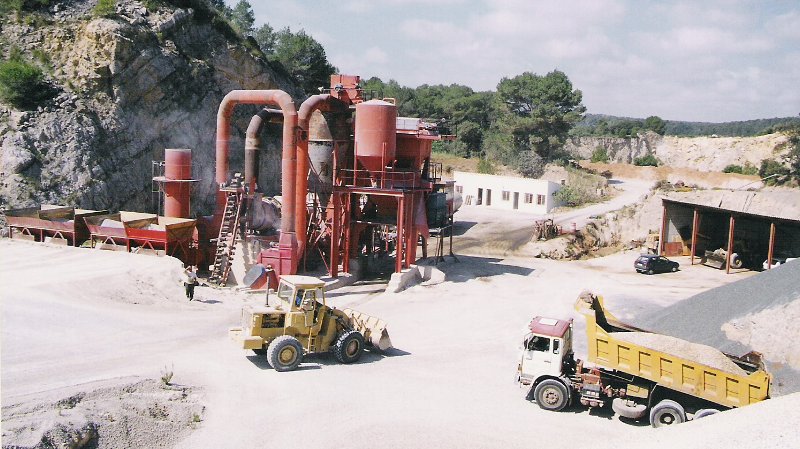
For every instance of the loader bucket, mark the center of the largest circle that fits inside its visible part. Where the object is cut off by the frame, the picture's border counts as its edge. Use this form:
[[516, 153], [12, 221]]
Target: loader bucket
[[373, 329]]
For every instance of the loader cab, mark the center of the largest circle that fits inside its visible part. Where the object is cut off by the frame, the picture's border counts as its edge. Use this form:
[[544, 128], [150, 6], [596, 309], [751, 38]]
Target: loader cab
[[301, 293], [545, 345]]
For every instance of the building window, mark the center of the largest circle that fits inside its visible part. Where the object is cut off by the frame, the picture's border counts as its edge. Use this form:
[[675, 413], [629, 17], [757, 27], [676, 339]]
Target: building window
[[540, 199], [460, 189], [528, 198], [506, 195]]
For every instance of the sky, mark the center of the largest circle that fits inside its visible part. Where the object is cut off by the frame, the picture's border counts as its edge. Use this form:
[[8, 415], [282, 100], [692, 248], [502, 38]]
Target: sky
[[707, 60]]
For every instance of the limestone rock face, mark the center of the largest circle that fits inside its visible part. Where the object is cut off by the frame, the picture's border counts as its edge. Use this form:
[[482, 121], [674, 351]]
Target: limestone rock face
[[700, 153], [126, 88]]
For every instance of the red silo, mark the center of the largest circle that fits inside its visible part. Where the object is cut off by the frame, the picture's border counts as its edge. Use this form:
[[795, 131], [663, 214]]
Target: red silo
[[177, 182], [375, 135]]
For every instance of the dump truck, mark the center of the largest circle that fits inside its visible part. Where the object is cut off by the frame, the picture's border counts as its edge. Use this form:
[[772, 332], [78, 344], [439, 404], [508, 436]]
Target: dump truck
[[297, 321], [643, 374]]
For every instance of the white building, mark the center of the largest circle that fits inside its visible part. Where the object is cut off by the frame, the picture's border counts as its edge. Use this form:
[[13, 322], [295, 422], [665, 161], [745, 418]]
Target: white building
[[506, 192]]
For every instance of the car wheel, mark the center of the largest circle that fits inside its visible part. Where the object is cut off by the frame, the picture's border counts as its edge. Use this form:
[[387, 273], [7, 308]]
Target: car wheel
[[650, 271], [674, 268]]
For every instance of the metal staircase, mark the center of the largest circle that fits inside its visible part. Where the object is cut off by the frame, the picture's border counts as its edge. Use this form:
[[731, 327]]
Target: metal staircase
[[228, 231]]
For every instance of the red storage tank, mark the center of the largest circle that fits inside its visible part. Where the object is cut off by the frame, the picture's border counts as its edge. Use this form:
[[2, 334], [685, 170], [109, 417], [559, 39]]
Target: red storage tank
[[177, 185], [375, 135]]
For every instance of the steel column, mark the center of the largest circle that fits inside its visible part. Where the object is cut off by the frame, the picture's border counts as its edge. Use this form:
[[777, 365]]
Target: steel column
[[695, 225], [663, 235], [771, 245], [730, 246]]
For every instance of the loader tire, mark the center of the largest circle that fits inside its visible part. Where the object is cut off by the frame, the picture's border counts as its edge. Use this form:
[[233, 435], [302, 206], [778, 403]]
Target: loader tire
[[551, 395], [285, 353], [348, 347]]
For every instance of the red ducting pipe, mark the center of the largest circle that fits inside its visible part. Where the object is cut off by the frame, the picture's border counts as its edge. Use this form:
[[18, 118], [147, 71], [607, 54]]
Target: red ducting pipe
[[289, 159], [252, 145], [323, 102]]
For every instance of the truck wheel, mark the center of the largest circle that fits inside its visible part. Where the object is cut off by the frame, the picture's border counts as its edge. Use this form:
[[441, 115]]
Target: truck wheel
[[736, 261], [667, 413], [628, 409], [551, 395], [285, 353], [703, 412], [348, 347]]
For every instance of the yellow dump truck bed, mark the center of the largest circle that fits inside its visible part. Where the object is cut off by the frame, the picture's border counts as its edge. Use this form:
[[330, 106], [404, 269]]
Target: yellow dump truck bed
[[690, 368]]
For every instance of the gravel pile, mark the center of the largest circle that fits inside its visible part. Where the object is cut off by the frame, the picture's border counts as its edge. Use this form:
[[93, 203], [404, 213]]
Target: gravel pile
[[763, 305], [698, 353], [113, 414]]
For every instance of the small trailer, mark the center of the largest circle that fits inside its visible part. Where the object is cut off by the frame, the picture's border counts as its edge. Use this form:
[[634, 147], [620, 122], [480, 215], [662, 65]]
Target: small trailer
[[675, 380]]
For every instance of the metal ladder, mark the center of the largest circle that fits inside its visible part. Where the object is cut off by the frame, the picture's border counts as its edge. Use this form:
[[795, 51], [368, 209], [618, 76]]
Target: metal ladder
[[228, 231]]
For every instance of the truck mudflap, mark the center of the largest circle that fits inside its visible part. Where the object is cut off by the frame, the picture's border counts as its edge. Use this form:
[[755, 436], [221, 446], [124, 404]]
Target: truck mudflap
[[373, 329]]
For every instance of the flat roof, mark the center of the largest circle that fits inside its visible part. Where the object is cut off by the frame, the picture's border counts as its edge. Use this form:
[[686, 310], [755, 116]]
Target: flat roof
[[551, 327], [779, 205]]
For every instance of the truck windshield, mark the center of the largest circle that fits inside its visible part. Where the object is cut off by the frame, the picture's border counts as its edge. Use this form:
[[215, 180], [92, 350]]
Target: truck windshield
[[538, 343]]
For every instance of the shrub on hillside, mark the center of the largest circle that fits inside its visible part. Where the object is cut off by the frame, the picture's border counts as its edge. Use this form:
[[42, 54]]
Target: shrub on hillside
[[485, 166], [21, 83], [776, 172], [732, 168], [105, 8], [648, 160], [600, 155], [569, 196]]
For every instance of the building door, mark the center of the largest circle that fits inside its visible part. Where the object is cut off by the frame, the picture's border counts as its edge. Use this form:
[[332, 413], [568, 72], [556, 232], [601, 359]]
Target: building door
[[479, 199], [488, 197], [516, 200]]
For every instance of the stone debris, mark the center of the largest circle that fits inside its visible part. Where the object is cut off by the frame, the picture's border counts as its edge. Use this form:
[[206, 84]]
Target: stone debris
[[705, 355]]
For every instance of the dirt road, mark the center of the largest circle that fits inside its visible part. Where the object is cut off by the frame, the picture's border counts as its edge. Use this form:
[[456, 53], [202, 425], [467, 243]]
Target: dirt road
[[448, 383]]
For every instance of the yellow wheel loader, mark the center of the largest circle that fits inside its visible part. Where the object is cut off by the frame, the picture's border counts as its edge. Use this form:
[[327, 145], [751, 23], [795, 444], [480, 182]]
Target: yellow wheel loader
[[297, 321]]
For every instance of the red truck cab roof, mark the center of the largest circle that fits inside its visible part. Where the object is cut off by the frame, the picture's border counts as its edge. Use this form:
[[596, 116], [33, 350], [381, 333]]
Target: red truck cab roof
[[551, 327]]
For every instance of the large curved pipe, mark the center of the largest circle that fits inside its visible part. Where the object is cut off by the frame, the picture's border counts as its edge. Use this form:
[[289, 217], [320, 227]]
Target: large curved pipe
[[322, 102], [289, 159], [252, 144]]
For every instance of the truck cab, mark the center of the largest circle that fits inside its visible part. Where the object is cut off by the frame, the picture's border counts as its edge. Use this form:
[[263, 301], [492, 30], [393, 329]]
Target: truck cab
[[545, 348]]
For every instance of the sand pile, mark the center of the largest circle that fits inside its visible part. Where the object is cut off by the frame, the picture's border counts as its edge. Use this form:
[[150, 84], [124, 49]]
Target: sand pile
[[702, 354], [770, 424], [111, 414], [108, 275], [758, 313]]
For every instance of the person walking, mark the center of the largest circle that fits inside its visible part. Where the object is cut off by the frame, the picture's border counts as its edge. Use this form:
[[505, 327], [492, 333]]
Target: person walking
[[190, 282]]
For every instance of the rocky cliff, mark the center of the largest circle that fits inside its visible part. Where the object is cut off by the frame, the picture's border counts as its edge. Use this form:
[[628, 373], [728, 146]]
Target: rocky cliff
[[126, 87], [700, 153]]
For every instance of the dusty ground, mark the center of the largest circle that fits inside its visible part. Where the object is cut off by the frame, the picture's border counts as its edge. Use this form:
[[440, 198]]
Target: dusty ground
[[448, 383]]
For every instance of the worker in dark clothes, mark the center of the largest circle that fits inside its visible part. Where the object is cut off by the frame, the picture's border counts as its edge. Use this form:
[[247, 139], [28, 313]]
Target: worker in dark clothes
[[189, 283]]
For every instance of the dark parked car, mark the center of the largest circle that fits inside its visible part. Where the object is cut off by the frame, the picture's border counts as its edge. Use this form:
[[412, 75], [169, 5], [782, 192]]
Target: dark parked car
[[653, 263]]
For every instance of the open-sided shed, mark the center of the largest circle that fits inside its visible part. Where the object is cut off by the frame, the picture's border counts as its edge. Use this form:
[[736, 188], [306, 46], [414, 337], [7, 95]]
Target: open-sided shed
[[755, 225]]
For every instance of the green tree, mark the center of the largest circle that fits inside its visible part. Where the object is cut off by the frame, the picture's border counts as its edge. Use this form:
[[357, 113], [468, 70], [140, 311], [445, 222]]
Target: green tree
[[304, 60], [655, 124], [530, 164], [266, 38], [600, 155], [243, 18], [485, 166], [535, 113]]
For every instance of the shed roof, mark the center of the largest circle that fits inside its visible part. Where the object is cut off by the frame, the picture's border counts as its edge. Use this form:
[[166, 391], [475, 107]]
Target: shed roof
[[782, 205]]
